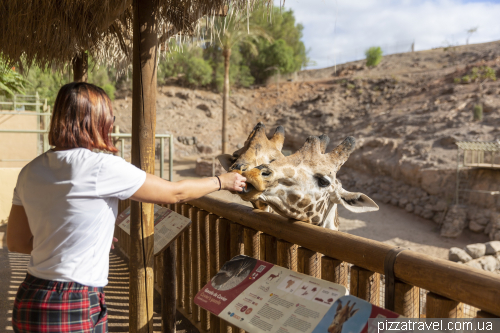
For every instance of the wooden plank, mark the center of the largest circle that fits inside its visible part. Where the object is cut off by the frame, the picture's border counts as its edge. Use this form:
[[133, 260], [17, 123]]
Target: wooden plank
[[204, 262], [236, 240], [195, 261], [334, 270], [223, 255], [271, 249], [365, 284], [251, 242], [212, 262], [168, 301], [287, 255], [406, 300], [484, 314], [145, 43], [309, 262], [437, 306], [188, 278]]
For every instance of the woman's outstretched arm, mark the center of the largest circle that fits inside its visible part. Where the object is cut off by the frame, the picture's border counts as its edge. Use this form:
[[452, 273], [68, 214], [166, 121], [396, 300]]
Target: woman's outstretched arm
[[19, 237], [161, 191]]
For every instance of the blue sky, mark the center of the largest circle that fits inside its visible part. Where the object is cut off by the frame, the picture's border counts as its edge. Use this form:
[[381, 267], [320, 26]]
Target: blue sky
[[340, 30]]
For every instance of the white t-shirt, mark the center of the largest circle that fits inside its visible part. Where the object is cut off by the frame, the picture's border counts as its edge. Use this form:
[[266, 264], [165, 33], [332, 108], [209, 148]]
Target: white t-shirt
[[71, 200]]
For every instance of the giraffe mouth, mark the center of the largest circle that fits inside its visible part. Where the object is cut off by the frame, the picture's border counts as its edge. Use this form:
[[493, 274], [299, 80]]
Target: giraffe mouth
[[248, 188]]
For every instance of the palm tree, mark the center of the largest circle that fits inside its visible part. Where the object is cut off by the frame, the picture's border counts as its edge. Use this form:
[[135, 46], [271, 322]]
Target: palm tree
[[234, 31]]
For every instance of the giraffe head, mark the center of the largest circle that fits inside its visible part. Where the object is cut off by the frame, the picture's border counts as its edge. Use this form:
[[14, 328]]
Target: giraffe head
[[304, 186], [342, 315], [257, 150]]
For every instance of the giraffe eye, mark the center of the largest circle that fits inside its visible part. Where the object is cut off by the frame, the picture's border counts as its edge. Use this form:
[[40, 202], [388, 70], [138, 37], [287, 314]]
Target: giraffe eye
[[323, 182], [266, 173]]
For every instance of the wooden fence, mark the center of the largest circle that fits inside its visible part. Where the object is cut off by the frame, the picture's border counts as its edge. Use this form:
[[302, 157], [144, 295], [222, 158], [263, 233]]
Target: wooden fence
[[418, 285]]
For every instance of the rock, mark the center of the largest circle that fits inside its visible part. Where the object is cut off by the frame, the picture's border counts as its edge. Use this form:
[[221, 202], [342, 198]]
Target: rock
[[490, 104], [409, 208], [495, 235], [394, 201], [454, 222], [492, 247], [184, 95], [188, 141], [475, 263], [458, 255], [440, 206], [427, 214], [403, 202], [476, 227], [489, 263], [169, 93], [476, 250], [204, 149], [418, 210]]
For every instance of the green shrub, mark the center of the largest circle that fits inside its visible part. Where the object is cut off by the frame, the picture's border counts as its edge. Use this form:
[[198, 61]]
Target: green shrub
[[350, 86], [110, 90], [373, 56], [466, 79], [478, 112], [456, 80]]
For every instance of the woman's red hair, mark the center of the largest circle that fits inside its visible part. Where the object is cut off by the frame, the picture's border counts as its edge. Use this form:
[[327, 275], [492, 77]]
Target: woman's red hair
[[82, 117]]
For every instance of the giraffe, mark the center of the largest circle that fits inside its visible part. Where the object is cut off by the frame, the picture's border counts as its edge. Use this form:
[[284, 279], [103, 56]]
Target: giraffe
[[342, 315], [257, 150], [304, 186]]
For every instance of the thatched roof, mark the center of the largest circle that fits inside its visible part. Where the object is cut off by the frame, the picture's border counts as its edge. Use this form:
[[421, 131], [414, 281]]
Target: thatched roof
[[48, 32]]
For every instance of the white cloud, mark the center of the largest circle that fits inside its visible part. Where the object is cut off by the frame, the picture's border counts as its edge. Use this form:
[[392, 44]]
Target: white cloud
[[391, 24]]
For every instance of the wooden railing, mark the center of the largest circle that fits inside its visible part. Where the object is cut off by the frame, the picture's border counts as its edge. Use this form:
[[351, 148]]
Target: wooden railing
[[221, 230]]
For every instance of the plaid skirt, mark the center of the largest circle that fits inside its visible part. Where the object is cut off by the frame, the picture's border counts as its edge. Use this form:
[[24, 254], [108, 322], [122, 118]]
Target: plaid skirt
[[53, 306]]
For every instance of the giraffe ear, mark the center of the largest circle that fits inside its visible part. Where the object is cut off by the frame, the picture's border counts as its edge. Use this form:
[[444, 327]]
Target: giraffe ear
[[226, 161], [353, 312], [356, 202]]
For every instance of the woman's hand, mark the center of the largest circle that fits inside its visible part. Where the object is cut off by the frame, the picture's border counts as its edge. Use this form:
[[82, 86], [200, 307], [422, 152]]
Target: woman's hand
[[232, 181]]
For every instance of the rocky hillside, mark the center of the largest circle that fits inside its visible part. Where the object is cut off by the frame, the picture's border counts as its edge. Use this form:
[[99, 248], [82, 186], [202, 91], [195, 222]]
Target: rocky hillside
[[406, 115]]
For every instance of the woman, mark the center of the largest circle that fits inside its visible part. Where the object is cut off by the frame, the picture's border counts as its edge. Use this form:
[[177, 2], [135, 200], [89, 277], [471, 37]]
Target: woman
[[64, 208]]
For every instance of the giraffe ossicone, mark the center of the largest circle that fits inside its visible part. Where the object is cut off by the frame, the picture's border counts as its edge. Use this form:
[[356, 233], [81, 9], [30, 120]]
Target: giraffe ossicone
[[304, 186]]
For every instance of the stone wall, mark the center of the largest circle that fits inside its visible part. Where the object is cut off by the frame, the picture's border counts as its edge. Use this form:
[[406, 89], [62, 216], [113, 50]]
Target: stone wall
[[204, 167], [438, 208]]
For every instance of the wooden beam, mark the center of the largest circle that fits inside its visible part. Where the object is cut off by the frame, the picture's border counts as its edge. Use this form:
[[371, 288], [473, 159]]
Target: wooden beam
[[81, 67], [145, 41]]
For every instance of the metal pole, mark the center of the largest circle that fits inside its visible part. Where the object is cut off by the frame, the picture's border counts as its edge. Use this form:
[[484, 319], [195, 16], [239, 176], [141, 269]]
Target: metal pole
[[122, 148], [145, 42], [162, 156], [15, 102], [171, 158], [46, 127]]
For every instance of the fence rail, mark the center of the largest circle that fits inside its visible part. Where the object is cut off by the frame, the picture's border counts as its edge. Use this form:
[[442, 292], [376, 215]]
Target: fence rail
[[221, 230]]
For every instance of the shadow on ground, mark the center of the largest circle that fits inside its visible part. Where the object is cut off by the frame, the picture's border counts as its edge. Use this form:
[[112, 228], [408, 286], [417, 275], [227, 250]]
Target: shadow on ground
[[13, 271]]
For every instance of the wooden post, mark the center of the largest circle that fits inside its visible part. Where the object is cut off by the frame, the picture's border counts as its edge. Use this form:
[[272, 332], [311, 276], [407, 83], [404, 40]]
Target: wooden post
[[270, 248], [168, 299], [365, 284], [334, 270], [81, 67], [309, 262], [195, 255], [236, 240], [212, 263], [287, 255], [180, 263], [406, 300], [187, 259], [437, 306], [251, 242], [204, 261], [145, 41], [223, 244]]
